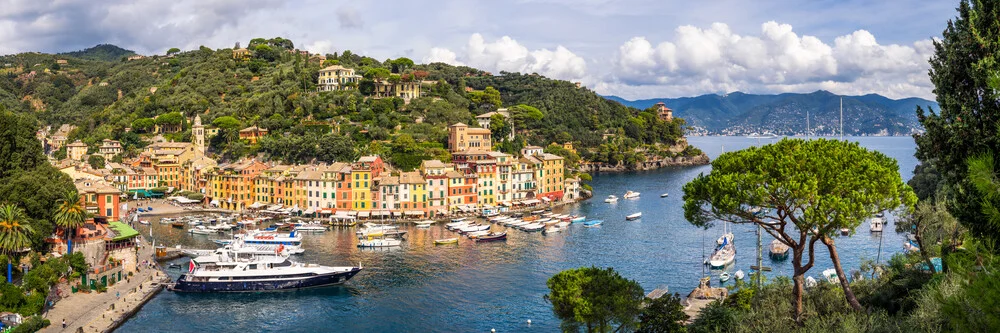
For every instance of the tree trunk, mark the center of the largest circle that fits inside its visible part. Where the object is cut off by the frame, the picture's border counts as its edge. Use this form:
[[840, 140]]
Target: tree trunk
[[848, 293], [923, 253], [798, 276]]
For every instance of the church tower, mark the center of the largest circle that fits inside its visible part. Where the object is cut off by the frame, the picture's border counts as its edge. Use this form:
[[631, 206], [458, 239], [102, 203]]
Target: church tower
[[198, 131]]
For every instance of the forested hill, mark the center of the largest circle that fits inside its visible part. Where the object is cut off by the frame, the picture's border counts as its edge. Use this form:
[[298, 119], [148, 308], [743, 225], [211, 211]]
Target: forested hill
[[740, 113], [275, 87]]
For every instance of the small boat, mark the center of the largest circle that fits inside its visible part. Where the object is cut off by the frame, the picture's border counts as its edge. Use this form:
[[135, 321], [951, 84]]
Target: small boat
[[474, 235], [222, 241], [553, 229], [424, 224], [195, 222], [779, 251], [167, 220], [611, 199], [533, 227], [880, 214], [877, 224], [381, 242], [446, 241], [201, 230], [144, 222], [633, 217], [592, 223], [578, 219], [178, 225], [458, 220], [664, 195], [493, 237], [910, 246], [631, 195], [831, 276], [739, 274], [845, 231], [724, 277]]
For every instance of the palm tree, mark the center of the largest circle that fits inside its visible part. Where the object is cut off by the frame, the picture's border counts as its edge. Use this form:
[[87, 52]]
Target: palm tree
[[70, 214], [13, 233]]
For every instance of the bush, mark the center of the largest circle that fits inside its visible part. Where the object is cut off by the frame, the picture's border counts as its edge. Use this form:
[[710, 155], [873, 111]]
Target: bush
[[31, 324]]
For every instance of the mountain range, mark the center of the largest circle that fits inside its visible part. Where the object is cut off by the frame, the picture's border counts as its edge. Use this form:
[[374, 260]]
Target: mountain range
[[785, 114]]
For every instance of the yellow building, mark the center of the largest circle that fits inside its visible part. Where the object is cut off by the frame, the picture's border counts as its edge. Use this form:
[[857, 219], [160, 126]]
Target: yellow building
[[403, 89], [337, 77], [241, 54], [76, 150], [232, 184], [361, 189], [552, 177], [412, 193], [463, 138]]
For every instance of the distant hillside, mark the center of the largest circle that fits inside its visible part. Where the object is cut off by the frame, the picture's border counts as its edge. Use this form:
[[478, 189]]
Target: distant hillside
[[101, 52], [739, 113]]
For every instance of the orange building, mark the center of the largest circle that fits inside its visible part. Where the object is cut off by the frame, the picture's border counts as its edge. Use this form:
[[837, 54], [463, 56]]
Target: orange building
[[252, 134], [100, 198]]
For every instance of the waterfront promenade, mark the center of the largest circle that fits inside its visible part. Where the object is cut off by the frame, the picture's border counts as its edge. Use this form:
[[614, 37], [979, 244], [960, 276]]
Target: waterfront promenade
[[99, 312]]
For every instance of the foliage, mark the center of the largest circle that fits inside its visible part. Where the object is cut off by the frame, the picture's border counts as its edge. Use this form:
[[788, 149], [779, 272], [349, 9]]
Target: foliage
[[963, 70], [930, 223], [31, 324], [96, 161], [305, 148], [15, 231], [663, 315], [101, 52], [595, 298], [801, 184]]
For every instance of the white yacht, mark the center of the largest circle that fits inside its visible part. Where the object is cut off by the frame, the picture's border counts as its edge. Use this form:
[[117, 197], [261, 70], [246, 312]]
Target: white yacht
[[630, 195], [234, 271], [877, 224]]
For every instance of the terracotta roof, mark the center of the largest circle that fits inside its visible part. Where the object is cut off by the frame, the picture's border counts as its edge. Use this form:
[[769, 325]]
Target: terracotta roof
[[432, 164], [458, 124], [411, 178], [390, 180], [549, 157], [94, 186], [77, 143], [368, 159], [453, 174]]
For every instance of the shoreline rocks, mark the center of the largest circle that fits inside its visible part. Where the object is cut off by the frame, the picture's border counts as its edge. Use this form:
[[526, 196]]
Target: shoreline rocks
[[647, 165]]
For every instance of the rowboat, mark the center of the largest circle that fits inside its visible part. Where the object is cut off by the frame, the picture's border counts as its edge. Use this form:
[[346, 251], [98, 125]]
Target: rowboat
[[178, 225], [724, 277], [635, 216], [578, 219], [424, 224], [493, 237], [446, 241], [592, 223], [739, 274], [477, 234]]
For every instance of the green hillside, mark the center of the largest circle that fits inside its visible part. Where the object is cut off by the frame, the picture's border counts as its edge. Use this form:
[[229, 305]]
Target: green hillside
[[276, 89]]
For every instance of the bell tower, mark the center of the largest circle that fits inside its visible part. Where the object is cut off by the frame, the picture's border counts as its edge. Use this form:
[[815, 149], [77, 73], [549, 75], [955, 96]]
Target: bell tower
[[198, 131]]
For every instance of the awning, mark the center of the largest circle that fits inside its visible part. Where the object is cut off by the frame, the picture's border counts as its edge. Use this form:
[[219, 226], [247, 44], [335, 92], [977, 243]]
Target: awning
[[122, 231], [531, 202], [274, 207], [341, 215], [505, 203], [256, 205], [546, 199], [352, 213], [414, 212], [309, 210], [380, 213], [442, 212], [397, 213], [183, 200], [364, 214]]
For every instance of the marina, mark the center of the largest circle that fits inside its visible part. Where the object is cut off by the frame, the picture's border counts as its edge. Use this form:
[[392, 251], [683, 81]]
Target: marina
[[397, 284]]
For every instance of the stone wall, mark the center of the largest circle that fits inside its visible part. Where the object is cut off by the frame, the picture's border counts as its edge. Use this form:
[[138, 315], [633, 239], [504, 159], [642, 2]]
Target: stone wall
[[93, 251], [128, 257]]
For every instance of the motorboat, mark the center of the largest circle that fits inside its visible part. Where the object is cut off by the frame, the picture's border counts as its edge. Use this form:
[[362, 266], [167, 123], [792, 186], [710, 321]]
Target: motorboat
[[492, 237], [592, 223], [474, 235], [778, 250], [201, 230], [724, 276], [379, 242], [265, 240], [578, 219], [459, 220], [424, 224], [310, 227], [845, 231], [611, 199], [533, 227], [167, 220], [553, 229], [631, 195], [195, 222], [474, 228], [633, 217], [231, 271], [877, 224], [739, 274], [221, 227], [664, 195], [146, 222], [446, 241], [831, 276], [910, 246], [222, 241]]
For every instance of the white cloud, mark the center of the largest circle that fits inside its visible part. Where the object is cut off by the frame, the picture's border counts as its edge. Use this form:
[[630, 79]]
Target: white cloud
[[717, 60], [506, 54]]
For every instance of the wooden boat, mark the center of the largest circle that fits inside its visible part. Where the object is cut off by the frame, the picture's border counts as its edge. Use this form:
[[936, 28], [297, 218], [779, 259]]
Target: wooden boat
[[178, 225], [553, 229], [477, 234], [633, 217], [778, 250], [493, 237], [446, 241]]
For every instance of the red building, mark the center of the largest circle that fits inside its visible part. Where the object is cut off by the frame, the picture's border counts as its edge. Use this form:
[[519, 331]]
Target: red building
[[100, 198]]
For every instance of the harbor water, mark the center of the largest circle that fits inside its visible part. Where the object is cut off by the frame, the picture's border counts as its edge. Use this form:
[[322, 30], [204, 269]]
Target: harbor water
[[469, 287]]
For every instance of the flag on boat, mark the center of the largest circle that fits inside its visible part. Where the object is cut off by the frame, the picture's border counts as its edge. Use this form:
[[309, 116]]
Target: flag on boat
[[191, 266], [281, 247]]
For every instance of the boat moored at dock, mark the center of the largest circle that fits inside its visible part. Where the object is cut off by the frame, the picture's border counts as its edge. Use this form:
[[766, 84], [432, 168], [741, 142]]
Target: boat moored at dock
[[228, 271]]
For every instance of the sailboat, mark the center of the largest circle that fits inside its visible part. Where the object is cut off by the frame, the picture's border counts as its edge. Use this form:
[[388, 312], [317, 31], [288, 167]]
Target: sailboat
[[725, 253]]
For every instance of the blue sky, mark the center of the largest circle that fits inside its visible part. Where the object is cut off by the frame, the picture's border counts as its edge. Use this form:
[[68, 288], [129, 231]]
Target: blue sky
[[631, 48]]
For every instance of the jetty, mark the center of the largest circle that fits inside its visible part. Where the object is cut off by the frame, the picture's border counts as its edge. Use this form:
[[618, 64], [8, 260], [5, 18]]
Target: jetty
[[701, 297]]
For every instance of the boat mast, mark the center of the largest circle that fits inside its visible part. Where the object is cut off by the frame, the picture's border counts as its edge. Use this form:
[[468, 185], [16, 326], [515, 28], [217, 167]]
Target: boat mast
[[808, 128], [841, 118]]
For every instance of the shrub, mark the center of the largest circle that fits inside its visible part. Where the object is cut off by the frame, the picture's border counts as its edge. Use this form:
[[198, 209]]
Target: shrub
[[31, 324]]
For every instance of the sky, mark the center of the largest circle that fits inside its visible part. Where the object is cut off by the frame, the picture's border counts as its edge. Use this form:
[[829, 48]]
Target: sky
[[630, 48]]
